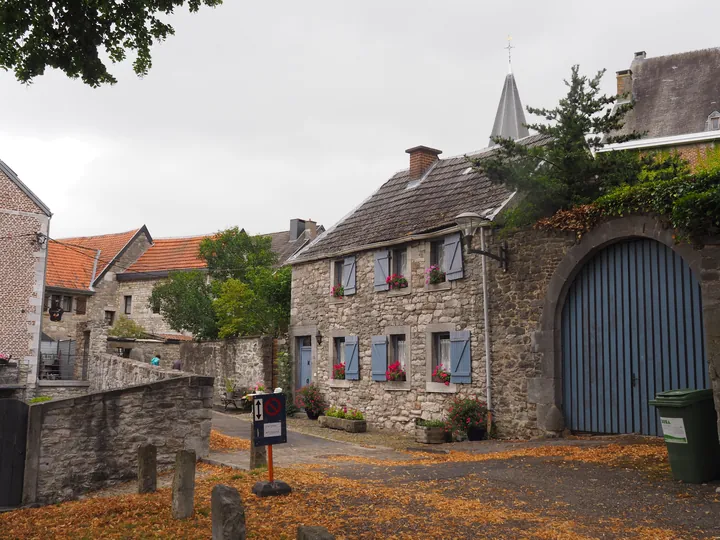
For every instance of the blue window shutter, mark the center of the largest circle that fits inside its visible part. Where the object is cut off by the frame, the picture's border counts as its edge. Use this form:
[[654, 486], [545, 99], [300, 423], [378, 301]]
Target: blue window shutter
[[460, 357], [453, 257], [349, 275], [352, 358], [379, 358], [382, 269]]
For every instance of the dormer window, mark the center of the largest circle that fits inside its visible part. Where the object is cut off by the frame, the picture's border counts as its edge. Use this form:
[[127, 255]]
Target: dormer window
[[713, 122]]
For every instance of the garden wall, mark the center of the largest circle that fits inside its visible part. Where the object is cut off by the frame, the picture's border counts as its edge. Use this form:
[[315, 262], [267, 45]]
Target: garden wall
[[107, 372], [85, 443], [245, 361]]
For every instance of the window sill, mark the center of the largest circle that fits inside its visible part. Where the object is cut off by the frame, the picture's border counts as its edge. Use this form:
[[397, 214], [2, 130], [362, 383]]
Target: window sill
[[397, 386], [440, 388], [405, 291], [343, 383], [446, 286], [57, 383], [336, 301]]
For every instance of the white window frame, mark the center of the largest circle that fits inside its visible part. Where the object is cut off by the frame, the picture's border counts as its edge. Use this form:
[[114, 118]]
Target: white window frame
[[390, 331], [127, 309], [332, 357], [430, 331], [408, 269]]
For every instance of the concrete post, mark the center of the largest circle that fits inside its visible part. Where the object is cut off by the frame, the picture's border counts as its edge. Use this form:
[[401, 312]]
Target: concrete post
[[183, 491], [147, 468], [228, 514]]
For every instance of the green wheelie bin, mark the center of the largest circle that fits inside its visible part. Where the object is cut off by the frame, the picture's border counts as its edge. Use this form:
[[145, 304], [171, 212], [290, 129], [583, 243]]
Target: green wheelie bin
[[689, 425]]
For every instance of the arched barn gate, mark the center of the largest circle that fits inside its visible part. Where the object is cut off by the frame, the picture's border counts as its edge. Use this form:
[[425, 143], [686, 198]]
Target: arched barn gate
[[631, 327]]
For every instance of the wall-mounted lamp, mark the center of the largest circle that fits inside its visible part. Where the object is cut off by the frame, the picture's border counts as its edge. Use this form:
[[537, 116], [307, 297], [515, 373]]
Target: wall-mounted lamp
[[469, 222], [318, 337]]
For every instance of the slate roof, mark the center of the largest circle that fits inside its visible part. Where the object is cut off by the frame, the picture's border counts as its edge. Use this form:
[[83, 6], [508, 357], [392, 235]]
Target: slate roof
[[674, 94], [284, 248], [71, 261], [510, 117], [395, 211], [170, 254]]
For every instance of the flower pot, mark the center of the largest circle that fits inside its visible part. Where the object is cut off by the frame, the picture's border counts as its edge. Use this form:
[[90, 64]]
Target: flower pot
[[343, 424], [476, 433], [312, 415], [429, 435]]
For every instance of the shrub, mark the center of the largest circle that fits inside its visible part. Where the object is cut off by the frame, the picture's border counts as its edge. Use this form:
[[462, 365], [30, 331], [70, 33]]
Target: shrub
[[349, 414], [430, 423], [465, 413], [127, 328], [354, 414], [310, 399], [335, 412]]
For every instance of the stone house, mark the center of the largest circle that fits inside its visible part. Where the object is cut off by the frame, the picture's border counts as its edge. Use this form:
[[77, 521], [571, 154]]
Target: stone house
[[677, 103], [24, 226], [561, 333]]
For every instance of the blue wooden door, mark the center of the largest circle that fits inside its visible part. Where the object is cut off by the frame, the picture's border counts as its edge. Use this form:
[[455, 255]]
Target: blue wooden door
[[305, 365], [631, 327]]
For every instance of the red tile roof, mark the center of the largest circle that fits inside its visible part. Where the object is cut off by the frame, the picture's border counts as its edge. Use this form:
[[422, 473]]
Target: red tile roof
[[178, 337], [71, 260], [170, 254]]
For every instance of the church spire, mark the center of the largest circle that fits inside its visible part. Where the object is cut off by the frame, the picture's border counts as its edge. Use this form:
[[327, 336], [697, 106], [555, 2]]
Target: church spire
[[510, 116]]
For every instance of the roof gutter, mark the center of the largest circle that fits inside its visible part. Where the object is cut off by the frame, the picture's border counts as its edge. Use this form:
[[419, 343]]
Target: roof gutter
[[673, 140], [376, 245]]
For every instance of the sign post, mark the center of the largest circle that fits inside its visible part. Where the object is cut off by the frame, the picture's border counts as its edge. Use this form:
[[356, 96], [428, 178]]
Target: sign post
[[269, 427]]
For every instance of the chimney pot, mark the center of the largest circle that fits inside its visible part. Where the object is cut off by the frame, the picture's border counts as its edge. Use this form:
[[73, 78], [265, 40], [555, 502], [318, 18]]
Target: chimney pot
[[640, 55], [421, 159], [297, 227]]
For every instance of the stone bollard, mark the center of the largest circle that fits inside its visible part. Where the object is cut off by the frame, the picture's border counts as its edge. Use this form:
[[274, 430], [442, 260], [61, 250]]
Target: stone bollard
[[183, 490], [228, 514], [314, 533], [258, 455], [147, 468]]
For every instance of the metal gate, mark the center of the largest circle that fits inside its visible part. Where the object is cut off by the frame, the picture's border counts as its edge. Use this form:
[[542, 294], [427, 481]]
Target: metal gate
[[631, 327], [13, 433]]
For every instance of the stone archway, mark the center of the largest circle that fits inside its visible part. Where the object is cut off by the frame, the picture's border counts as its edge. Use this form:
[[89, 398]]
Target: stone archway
[[546, 389]]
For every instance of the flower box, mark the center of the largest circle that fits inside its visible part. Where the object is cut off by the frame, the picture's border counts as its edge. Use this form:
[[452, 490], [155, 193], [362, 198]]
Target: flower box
[[343, 424], [429, 435]]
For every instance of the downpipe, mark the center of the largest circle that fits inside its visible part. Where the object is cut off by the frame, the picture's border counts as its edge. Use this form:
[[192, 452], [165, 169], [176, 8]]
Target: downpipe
[[486, 324]]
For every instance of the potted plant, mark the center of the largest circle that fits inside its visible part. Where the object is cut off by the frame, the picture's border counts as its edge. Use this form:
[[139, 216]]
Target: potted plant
[[396, 281], [429, 431], [310, 399], [395, 372], [440, 374], [338, 291], [468, 415], [5, 358], [434, 275], [350, 420], [339, 371]]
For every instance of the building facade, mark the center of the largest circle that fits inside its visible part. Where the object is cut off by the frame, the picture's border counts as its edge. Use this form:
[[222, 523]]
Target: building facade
[[24, 227]]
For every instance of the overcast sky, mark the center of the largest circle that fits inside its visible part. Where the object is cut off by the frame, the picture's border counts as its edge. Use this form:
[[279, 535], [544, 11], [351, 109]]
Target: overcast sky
[[258, 112]]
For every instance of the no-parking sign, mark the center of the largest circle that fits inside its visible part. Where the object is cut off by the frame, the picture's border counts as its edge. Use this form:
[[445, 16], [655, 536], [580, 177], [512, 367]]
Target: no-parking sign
[[269, 425]]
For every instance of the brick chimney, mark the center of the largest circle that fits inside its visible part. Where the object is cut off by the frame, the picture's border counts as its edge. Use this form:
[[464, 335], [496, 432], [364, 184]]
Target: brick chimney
[[624, 83], [421, 158]]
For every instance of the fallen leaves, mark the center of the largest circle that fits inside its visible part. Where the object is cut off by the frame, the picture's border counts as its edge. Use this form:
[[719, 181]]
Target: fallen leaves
[[225, 443]]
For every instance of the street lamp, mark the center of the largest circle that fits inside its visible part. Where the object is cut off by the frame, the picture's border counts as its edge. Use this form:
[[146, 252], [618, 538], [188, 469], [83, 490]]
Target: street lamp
[[469, 222]]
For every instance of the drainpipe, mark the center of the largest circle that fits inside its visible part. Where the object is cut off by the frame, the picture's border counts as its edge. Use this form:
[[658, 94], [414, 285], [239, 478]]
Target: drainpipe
[[486, 321]]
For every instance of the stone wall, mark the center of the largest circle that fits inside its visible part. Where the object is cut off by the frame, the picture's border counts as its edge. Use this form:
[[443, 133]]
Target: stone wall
[[245, 361], [86, 443], [108, 371], [22, 275], [143, 350], [421, 310]]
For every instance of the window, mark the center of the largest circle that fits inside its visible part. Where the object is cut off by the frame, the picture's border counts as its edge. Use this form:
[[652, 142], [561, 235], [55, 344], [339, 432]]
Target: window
[[55, 300], [338, 273], [128, 305], [48, 302], [441, 352], [399, 261], [398, 351], [437, 254], [109, 318], [339, 350], [66, 303], [80, 305], [714, 123]]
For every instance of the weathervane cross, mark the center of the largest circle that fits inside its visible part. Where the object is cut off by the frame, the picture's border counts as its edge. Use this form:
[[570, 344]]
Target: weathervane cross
[[509, 50]]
